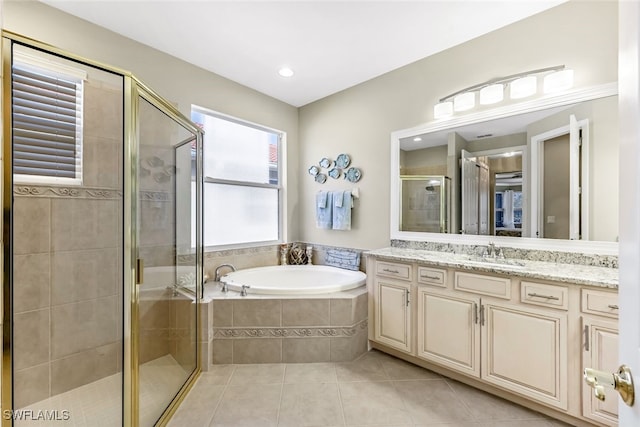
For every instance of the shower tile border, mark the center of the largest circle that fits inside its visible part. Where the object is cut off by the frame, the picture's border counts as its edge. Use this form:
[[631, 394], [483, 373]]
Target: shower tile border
[[52, 191]]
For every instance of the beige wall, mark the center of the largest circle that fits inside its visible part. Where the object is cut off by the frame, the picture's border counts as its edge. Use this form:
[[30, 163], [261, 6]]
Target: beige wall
[[359, 120], [180, 82]]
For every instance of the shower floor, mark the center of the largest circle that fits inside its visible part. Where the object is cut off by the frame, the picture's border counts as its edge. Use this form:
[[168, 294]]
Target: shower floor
[[99, 403]]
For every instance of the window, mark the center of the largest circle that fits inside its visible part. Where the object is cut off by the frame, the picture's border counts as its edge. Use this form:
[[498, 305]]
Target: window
[[47, 120], [242, 191]]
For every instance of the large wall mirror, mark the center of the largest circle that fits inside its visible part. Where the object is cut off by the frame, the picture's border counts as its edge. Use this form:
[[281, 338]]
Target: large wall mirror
[[541, 174]]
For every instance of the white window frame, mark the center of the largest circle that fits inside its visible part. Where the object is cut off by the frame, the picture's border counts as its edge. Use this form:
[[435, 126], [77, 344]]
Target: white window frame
[[282, 136], [53, 68]]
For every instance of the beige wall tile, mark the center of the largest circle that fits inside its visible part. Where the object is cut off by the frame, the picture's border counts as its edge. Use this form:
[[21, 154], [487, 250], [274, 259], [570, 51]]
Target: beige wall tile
[[221, 352], [31, 278], [84, 224], [204, 348], [154, 343], [206, 320], [31, 385], [345, 349], [306, 350], [258, 350], [31, 225], [84, 367], [262, 312], [80, 326], [103, 112], [222, 313], [31, 338], [361, 307], [82, 275], [305, 312], [342, 312], [102, 162], [154, 311]]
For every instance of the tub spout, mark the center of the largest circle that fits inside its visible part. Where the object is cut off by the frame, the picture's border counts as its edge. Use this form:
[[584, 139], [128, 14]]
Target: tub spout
[[220, 267]]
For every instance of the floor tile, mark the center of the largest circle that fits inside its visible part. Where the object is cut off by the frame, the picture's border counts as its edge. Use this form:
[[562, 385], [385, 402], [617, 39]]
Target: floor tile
[[311, 404], [258, 374], [366, 368], [486, 407], [431, 402], [297, 373], [397, 369], [218, 374], [249, 405], [371, 403]]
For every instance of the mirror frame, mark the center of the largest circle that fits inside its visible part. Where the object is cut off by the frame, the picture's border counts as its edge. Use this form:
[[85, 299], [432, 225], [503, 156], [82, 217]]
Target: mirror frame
[[542, 103]]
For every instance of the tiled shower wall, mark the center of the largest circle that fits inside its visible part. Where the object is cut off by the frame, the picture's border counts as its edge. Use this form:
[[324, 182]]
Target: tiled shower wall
[[68, 265]]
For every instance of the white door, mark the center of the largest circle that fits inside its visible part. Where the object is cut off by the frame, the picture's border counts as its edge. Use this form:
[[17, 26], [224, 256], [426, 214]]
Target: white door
[[629, 290], [574, 178], [470, 177]]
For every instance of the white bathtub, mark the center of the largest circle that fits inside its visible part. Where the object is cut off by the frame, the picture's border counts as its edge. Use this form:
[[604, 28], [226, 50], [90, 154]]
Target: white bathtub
[[294, 279]]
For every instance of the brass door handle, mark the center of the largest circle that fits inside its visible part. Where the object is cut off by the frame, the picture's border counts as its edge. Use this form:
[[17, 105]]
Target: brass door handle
[[621, 381]]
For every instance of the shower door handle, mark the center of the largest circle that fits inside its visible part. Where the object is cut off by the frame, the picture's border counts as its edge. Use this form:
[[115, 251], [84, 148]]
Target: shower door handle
[[139, 271]]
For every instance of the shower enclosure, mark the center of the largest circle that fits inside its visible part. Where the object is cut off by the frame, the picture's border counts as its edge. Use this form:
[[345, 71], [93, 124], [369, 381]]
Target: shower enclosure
[[101, 243]]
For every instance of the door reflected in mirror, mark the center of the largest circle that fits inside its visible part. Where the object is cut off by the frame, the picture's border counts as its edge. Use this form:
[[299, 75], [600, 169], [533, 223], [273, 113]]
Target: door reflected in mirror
[[515, 177]]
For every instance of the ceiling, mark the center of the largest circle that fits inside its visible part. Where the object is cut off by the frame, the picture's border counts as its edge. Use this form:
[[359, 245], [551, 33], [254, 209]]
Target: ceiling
[[330, 45]]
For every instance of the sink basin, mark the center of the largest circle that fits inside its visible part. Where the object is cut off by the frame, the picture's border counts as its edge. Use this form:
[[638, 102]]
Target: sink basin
[[500, 262]]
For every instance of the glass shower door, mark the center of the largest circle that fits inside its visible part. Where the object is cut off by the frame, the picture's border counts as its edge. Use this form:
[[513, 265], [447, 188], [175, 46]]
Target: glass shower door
[[166, 242]]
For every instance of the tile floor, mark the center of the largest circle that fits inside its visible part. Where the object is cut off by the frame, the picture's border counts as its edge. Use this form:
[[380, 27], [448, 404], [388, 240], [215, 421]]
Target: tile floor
[[99, 404], [377, 389]]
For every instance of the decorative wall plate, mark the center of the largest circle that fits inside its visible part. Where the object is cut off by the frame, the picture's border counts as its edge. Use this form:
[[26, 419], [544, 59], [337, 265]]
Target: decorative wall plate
[[313, 170], [343, 161], [335, 173], [325, 163], [321, 178], [353, 175]]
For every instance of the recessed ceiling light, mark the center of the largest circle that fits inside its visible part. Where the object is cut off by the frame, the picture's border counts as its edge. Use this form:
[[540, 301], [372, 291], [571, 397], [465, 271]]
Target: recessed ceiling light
[[285, 72]]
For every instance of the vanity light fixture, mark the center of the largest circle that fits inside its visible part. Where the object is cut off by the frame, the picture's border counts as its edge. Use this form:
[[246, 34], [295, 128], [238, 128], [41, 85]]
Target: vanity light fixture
[[491, 94], [559, 81], [465, 101], [521, 85]]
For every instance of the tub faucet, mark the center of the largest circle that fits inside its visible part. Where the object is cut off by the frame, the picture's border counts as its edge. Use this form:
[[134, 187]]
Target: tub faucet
[[221, 266], [243, 292]]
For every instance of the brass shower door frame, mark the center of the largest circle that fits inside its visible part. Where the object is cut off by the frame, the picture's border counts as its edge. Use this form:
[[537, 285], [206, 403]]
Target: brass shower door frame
[[133, 88]]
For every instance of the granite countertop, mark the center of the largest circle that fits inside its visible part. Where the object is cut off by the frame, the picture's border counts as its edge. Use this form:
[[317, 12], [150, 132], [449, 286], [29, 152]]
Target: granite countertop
[[579, 274]]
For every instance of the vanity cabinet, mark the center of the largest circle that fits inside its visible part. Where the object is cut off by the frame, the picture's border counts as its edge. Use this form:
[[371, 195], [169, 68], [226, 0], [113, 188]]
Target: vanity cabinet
[[449, 330], [600, 351], [505, 333], [525, 350], [512, 346], [392, 305]]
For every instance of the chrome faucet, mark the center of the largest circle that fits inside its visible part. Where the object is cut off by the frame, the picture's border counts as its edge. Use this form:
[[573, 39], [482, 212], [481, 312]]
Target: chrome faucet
[[217, 273], [493, 251], [243, 292]]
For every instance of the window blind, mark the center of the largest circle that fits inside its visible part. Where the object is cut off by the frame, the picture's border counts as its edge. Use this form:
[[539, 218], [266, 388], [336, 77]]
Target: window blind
[[47, 114]]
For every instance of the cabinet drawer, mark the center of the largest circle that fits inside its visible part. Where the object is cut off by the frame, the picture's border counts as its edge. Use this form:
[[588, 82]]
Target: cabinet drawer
[[499, 287], [398, 271], [600, 302], [544, 295], [432, 276]]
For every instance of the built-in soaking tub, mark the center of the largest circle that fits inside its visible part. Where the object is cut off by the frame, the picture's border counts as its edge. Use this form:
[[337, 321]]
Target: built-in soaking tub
[[306, 314], [294, 280]]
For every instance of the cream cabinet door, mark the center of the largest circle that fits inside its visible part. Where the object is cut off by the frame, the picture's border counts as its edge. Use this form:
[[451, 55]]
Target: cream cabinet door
[[600, 351], [449, 330], [525, 350], [393, 314]]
